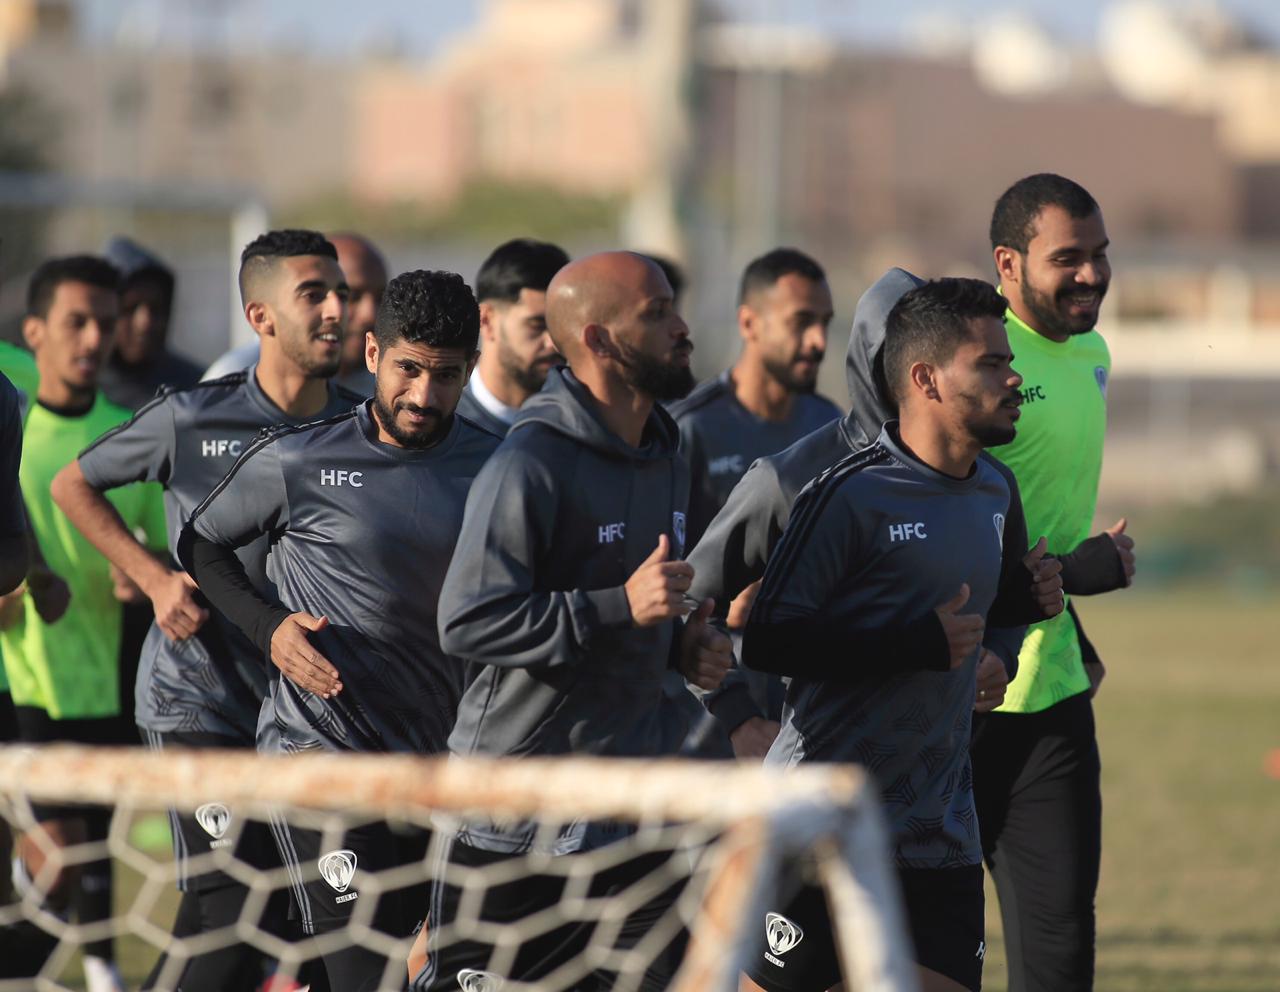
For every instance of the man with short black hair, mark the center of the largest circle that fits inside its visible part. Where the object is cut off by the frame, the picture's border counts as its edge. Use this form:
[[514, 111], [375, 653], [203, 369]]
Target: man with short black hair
[[875, 602], [516, 349], [64, 672], [201, 684], [1035, 760], [366, 273], [361, 512], [763, 404]]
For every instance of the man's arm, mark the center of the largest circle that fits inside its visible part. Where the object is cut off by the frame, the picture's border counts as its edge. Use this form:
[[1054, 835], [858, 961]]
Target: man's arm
[[1101, 563], [491, 612], [14, 558], [172, 592], [140, 450], [791, 631], [250, 502], [730, 557]]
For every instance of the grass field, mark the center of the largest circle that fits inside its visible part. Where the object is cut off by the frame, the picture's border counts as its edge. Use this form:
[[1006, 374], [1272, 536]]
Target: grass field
[[1190, 892]]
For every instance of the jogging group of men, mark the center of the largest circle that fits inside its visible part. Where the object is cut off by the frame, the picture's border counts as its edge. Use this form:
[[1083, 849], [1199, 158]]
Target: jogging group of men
[[419, 519]]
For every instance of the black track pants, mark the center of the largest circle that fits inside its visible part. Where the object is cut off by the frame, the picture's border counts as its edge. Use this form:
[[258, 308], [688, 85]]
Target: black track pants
[[1036, 783]]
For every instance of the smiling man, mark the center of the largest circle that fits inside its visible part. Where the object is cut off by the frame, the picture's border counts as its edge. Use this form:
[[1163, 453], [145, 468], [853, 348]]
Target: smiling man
[[1035, 760], [361, 512], [200, 682]]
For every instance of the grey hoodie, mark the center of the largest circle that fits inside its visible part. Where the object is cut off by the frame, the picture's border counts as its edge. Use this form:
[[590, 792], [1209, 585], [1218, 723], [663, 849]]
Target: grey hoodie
[[556, 522], [733, 552]]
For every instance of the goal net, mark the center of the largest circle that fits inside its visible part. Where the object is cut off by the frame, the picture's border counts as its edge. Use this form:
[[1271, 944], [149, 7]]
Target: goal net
[[698, 852]]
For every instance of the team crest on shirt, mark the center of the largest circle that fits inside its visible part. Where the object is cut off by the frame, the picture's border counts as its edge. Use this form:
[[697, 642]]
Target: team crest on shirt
[[338, 868], [1100, 377], [782, 934], [214, 819], [470, 980], [998, 520], [677, 528]]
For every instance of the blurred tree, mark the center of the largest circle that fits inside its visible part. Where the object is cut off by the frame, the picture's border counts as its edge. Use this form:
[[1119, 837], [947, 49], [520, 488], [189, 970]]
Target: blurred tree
[[485, 212]]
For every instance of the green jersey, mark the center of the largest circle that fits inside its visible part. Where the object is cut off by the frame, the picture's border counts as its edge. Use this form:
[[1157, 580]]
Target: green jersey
[[70, 668], [19, 365], [1057, 459]]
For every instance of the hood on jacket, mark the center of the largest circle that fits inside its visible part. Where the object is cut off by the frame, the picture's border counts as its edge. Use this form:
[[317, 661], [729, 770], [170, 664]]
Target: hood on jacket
[[869, 404], [134, 261], [564, 405]]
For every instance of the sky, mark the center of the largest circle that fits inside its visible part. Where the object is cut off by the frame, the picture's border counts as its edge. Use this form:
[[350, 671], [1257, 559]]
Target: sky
[[418, 27]]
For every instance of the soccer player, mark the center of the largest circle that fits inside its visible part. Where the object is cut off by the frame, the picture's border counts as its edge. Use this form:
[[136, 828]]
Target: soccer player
[[765, 403], [566, 585], [64, 675], [361, 512], [140, 361], [1035, 760], [366, 274], [877, 675], [736, 547], [517, 351], [201, 683]]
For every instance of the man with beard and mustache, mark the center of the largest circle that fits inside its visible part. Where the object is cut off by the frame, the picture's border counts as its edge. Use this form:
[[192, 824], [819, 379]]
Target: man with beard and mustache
[[366, 274], [1035, 759], [874, 604], [361, 512], [516, 350], [765, 403], [566, 592], [200, 682]]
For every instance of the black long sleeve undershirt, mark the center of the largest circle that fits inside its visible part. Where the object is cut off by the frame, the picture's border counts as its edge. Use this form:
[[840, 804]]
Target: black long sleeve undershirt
[[224, 582], [814, 648]]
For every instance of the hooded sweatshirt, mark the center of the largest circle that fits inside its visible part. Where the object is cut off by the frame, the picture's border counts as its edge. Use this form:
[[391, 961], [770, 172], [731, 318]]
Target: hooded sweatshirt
[[556, 522], [733, 552], [133, 386]]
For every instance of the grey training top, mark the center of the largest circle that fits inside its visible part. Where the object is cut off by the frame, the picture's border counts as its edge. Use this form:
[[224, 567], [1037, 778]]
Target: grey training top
[[187, 440], [722, 438], [557, 522], [360, 532], [877, 542]]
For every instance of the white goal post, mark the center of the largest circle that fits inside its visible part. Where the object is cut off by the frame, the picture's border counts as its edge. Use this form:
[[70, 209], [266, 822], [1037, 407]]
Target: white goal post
[[759, 821]]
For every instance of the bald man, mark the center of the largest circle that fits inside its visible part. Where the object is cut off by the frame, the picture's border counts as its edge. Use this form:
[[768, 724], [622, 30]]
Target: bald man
[[366, 273], [566, 592]]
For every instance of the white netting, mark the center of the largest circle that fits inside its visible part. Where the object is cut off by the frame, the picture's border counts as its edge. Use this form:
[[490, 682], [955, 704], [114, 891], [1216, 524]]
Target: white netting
[[698, 851]]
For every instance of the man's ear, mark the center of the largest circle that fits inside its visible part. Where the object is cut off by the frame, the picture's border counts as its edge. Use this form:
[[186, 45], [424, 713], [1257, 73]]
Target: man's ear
[[33, 331], [471, 366], [259, 317], [747, 321], [371, 352], [599, 341], [924, 380], [488, 322], [1008, 265]]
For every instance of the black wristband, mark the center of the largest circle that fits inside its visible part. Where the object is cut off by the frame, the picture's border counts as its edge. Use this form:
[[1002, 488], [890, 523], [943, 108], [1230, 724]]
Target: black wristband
[[1093, 567]]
